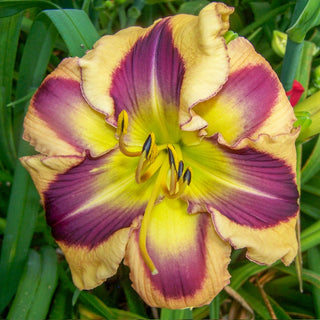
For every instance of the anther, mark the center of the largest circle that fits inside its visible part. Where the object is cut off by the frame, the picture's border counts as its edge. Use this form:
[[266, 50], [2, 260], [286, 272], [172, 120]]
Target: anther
[[180, 169], [171, 158], [150, 147], [148, 155], [147, 145], [122, 130], [123, 121], [187, 176], [173, 166]]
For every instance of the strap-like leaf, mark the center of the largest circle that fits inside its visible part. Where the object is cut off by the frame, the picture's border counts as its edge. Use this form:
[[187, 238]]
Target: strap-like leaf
[[9, 35], [75, 28], [9, 8]]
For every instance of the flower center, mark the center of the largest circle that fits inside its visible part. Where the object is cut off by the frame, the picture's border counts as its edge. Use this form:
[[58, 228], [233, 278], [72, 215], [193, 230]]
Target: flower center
[[171, 180]]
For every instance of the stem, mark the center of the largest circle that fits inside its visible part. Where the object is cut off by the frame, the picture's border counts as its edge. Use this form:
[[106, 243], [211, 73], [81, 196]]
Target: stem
[[293, 52], [290, 63], [214, 308]]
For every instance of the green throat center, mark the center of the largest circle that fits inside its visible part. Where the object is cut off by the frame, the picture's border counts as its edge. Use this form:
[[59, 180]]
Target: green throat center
[[172, 179]]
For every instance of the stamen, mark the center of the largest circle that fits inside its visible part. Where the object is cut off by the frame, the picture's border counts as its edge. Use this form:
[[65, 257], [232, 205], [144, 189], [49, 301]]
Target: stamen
[[124, 149], [187, 176], [147, 144], [173, 168], [139, 168], [150, 147], [123, 121], [122, 130], [173, 180], [146, 221], [180, 169], [148, 155], [182, 185], [173, 157]]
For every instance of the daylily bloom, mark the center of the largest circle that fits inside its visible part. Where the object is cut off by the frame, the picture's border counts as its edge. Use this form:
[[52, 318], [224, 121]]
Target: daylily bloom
[[166, 147]]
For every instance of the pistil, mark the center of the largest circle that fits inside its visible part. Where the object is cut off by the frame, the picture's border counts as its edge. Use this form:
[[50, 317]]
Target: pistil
[[152, 159], [147, 219]]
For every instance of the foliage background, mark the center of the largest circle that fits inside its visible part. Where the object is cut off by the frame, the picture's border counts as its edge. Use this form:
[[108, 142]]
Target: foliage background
[[35, 281]]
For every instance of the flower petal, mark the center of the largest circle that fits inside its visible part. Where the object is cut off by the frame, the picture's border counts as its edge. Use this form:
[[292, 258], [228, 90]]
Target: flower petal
[[253, 189], [252, 101], [60, 122], [92, 266], [90, 204], [191, 258], [153, 65], [145, 80], [207, 64], [263, 245]]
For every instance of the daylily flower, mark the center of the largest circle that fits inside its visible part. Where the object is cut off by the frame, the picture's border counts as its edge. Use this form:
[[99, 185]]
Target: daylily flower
[[164, 147]]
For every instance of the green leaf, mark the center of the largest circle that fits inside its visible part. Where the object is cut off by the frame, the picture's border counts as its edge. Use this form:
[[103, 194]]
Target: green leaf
[[27, 288], [135, 303], [75, 28], [193, 7], [253, 297], [310, 204], [214, 308], [313, 185], [243, 273], [12, 7], [48, 283], [24, 199], [96, 304], [61, 304], [314, 263], [310, 237], [271, 14], [307, 275], [168, 314], [309, 18], [9, 36], [22, 212], [33, 66], [260, 9]]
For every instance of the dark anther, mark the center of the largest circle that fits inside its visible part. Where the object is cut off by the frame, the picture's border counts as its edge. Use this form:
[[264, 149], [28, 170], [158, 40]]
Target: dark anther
[[122, 125], [171, 158], [187, 176], [147, 145], [180, 169]]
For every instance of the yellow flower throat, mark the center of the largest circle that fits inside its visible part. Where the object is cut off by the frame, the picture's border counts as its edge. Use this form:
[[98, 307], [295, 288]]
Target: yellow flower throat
[[172, 179]]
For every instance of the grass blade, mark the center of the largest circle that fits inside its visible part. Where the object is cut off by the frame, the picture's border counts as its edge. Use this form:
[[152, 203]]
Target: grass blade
[[9, 35], [22, 212], [24, 200], [48, 283], [95, 303], [312, 166], [214, 308], [167, 314], [75, 28], [12, 7], [33, 66], [314, 263], [271, 14], [27, 288]]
